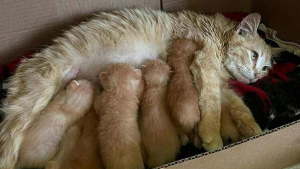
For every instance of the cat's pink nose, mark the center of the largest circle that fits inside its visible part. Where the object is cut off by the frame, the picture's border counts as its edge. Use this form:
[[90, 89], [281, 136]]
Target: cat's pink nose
[[256, 75]]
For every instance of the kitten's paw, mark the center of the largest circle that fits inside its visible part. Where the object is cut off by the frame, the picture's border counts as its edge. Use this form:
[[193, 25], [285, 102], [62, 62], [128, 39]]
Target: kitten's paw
[[211, 138], [184, 139], [249, 128], [79, 96]]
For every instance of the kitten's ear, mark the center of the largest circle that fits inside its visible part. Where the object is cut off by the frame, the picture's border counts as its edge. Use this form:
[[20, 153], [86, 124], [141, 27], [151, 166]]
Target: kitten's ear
[[249, 24], [103, 77], [138, 71]]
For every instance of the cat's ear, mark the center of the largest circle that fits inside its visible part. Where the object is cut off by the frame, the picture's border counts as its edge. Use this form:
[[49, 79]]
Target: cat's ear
[[249, 24], [103, 77]]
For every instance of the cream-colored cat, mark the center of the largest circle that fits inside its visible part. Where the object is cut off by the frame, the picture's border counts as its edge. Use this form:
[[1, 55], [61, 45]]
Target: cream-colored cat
[[134, 36], [159, 134]]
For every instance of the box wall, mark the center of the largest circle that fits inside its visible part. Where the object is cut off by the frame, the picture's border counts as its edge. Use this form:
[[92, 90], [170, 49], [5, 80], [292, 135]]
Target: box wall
[[282, 16], [29, 25]]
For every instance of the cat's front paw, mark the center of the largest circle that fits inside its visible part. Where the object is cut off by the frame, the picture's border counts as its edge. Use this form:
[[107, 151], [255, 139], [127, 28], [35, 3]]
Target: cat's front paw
[[79, 97], [229, 133], [210, 136], [248, 128]]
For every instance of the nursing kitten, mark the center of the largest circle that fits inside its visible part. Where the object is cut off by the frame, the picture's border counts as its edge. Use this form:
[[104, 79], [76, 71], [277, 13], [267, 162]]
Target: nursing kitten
[[159, 134], [133, 36], [182, 93], [42, 138], [117, 106], [79, 146]]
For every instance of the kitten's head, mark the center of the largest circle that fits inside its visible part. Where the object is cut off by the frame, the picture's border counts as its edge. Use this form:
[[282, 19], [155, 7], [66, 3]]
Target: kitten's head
[[156, 72], [121, 76], [248, 56]]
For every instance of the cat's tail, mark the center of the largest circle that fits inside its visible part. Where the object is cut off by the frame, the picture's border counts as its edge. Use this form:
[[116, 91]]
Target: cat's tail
[[34, 84]]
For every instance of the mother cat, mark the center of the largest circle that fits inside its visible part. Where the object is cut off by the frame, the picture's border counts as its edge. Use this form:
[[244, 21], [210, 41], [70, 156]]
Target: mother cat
[[134, 36]]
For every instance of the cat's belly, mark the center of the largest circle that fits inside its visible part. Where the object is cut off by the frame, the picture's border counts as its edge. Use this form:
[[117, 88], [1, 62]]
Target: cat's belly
[[132, 37], [135, 55]]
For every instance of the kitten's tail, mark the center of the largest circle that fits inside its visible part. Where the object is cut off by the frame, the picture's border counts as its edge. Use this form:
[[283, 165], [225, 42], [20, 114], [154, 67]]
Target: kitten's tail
[[31, 88]]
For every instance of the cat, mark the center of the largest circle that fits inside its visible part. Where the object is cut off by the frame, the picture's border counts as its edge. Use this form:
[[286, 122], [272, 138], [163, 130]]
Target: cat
[[159, 134], [182, 93], [117, 107], [134, 36], [42, 138], [245, 57], [79, 146]]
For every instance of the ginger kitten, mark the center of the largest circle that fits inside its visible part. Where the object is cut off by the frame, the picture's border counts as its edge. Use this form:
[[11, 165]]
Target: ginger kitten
[[182, 93], [117, 107], [159, 134]]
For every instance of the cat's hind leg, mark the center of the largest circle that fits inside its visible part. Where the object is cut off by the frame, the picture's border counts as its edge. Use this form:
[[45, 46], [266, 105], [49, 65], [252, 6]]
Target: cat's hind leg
[[31, 88], [41, 140]]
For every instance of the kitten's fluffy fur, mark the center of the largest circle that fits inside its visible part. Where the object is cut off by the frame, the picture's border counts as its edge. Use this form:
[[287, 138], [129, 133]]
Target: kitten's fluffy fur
[[182, 93], [117, 106], [42, 139], [159, 134], [133, 36]]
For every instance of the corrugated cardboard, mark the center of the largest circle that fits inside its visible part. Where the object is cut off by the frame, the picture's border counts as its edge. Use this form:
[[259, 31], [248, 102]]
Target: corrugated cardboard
[[277, 149]]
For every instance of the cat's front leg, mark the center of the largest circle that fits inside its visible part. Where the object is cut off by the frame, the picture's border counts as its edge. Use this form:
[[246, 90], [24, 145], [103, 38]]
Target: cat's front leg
[[240, 114], [205, 69]]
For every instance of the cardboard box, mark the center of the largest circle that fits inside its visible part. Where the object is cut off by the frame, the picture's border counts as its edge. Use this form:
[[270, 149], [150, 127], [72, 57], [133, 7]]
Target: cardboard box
[[29, 25]]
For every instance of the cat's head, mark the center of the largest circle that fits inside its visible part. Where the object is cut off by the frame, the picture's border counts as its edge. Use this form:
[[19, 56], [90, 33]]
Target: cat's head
[[248, 56], [121, 76], [156, 72]]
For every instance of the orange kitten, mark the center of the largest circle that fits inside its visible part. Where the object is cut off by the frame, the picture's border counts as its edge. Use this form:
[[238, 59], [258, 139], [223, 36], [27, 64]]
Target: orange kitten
[[159, 134], [79, 146], [182, 93], [117, 106], [42, 139]]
